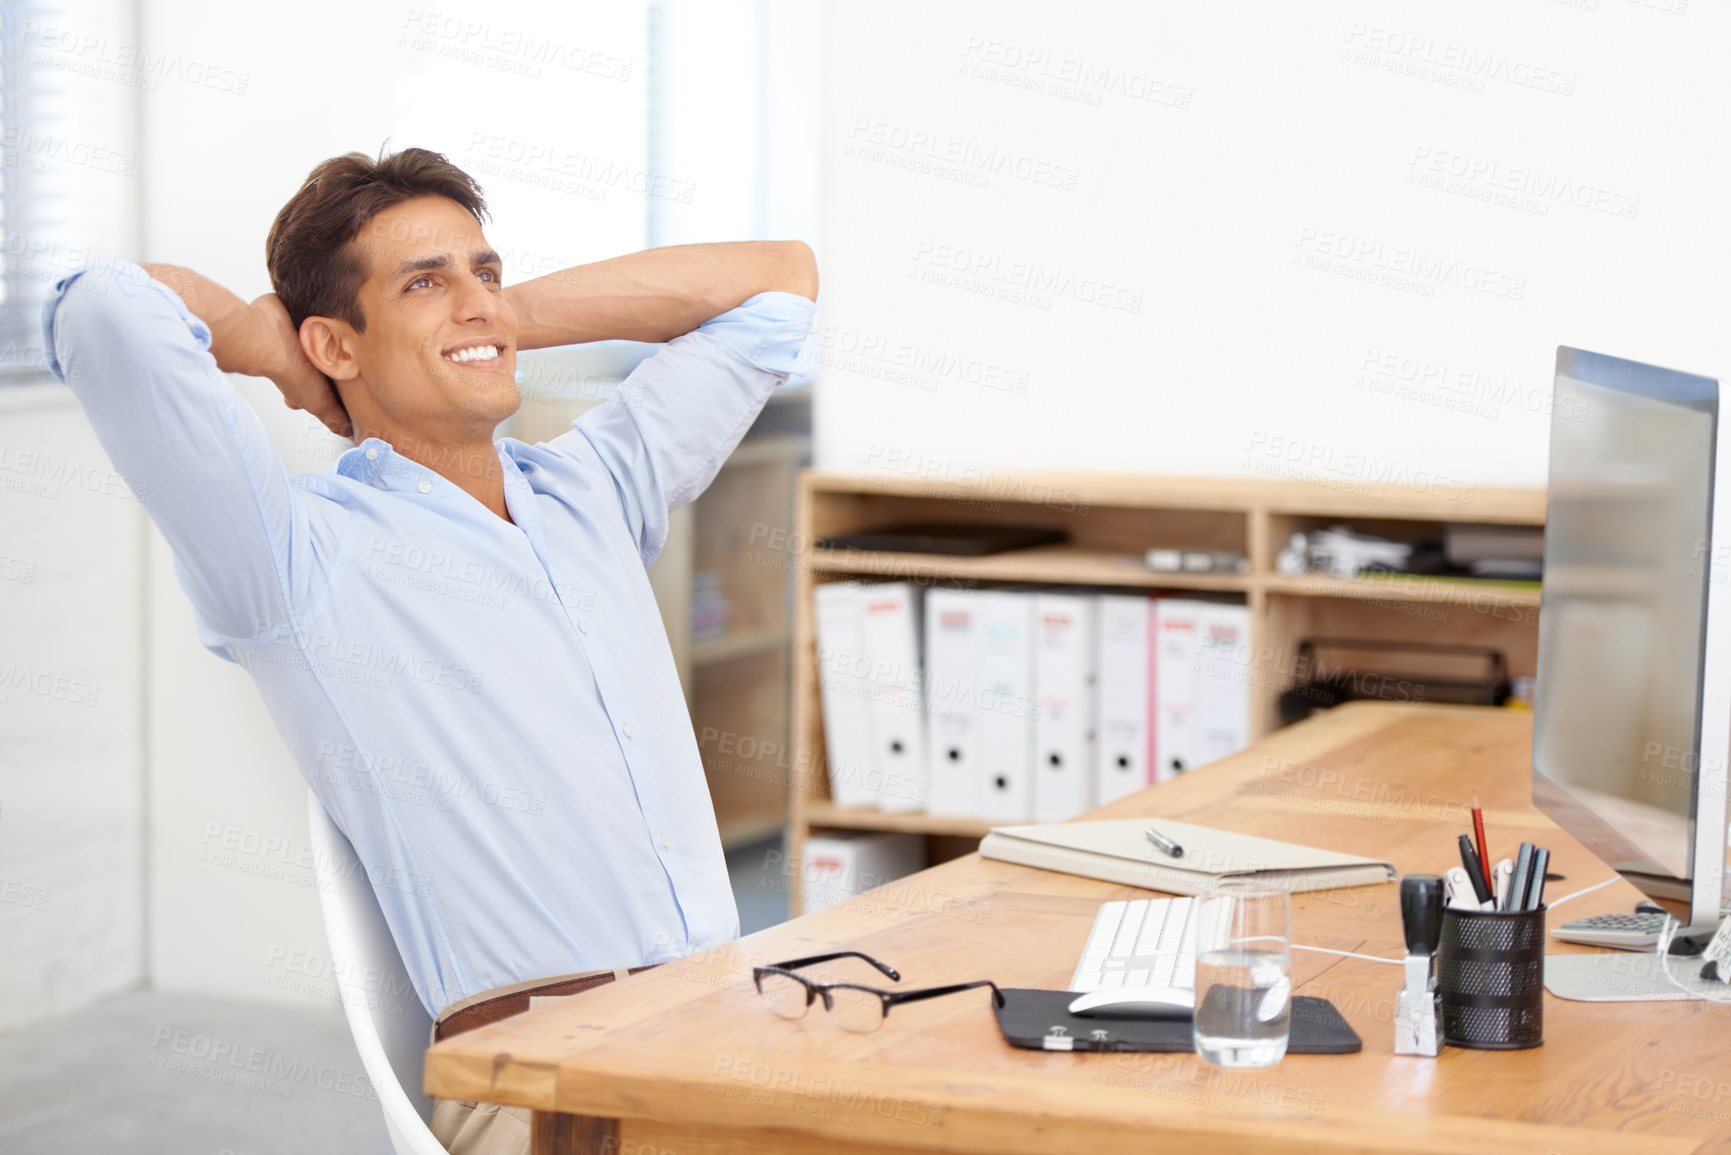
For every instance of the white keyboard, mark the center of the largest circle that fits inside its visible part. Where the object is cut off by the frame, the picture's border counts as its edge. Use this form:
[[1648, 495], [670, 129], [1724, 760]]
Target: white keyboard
[[1639, 931], [1147, 942]]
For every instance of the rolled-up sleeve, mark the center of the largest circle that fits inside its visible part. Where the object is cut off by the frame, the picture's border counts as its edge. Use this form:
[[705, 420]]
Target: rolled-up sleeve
[[196, 456], [665, 432]]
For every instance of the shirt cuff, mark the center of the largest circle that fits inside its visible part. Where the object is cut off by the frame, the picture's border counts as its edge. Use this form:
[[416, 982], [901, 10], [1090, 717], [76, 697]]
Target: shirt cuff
[[104, 279], [771, 330]]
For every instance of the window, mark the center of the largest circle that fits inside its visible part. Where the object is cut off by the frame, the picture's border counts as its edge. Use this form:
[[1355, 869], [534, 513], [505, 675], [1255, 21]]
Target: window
[[730, 123], [68, 172]]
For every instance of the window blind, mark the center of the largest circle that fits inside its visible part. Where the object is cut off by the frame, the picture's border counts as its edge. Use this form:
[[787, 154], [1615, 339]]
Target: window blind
[[26, 218], [69, 84]]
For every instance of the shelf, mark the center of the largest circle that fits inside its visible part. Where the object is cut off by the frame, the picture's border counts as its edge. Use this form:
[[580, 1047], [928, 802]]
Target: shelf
[[822, 812], [742, 644], [1073, 565], [1064, 564], [1404, 588], [1077, 493]]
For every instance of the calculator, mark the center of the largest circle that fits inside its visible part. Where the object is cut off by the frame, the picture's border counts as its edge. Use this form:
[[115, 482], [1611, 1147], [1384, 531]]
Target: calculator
[[1638, 931]]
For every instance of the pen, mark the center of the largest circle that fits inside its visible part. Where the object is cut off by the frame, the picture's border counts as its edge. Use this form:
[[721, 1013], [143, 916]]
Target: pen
[[1475, 872], [1504, 870], [1522, 878], [1536, 888], [1165, 844]]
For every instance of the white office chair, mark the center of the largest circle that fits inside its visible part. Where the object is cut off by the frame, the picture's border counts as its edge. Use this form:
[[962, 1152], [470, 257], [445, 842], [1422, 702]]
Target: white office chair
[[392, 1045]]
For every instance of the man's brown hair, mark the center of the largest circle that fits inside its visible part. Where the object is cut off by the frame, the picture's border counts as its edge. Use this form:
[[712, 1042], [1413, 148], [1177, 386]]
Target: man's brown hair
[[314, 267]]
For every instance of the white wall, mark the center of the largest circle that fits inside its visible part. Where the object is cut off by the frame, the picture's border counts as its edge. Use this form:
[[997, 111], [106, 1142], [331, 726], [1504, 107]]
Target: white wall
[[1289, 294], [71, 658], [72, 775], [560, 153]]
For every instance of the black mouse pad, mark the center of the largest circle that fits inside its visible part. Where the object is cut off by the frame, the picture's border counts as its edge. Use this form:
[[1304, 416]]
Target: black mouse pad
[[1041, 1021]]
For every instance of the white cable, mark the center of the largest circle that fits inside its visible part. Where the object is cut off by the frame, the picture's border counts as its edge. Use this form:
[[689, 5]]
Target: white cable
[[1588, 890], [1400, 962], [1348, 954], [1670, 929]]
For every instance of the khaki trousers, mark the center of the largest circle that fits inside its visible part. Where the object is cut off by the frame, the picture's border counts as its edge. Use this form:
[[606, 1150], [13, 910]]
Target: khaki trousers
[[467, 1128], [480, 1128]]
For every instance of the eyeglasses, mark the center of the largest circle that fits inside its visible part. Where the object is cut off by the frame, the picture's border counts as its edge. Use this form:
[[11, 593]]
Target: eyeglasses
[[856, 1008]]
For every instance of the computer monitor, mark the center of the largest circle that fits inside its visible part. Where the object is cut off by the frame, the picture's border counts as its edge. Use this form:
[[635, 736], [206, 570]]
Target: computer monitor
[[1632, 715]]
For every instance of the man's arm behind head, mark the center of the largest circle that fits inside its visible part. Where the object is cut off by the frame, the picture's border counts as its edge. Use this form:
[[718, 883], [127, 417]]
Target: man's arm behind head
[[189, 447], [257, 340], [657, 294]]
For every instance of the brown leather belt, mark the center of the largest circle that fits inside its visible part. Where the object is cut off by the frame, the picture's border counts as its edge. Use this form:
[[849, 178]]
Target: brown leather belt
[[514, 1000]]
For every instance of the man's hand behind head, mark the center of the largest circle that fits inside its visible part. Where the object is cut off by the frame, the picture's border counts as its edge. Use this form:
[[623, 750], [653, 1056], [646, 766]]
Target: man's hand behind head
[[302, 385]]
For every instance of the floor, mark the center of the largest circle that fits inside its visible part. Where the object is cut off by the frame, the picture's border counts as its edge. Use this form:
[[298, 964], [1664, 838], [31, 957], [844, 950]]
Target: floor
[[187, 1075], [181, 1074]]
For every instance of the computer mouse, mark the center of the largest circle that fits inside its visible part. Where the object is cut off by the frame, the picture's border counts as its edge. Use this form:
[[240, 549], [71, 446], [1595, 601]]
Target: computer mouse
[[1136, 1003]]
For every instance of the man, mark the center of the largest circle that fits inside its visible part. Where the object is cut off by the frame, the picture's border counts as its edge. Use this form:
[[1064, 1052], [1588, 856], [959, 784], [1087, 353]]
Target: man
[[455, 637]]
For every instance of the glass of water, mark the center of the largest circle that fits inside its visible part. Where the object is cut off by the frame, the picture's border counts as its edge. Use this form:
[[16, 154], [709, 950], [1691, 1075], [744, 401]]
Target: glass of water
[[1243, 974]]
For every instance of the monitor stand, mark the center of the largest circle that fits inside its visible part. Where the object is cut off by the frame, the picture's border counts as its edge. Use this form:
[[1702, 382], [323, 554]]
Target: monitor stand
[[1625, 977]]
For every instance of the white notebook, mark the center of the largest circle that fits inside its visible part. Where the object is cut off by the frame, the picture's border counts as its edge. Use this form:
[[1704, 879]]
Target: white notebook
[[1117, 850]]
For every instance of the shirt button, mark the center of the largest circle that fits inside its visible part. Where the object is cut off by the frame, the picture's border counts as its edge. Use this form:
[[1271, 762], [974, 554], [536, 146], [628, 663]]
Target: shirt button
[[372, 454], [425, 487], [664, 842], [628, 731], [581, 628]]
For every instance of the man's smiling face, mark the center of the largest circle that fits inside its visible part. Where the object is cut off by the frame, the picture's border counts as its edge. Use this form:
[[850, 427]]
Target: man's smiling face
[[439, 352]]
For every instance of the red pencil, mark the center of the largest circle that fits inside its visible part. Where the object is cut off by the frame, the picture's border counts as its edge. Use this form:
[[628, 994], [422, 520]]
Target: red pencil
[[1479, 837]]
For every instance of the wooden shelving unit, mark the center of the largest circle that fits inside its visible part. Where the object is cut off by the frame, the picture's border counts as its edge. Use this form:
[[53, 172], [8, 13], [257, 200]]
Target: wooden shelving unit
[[1113, 519], [823, 812], [739, 682]]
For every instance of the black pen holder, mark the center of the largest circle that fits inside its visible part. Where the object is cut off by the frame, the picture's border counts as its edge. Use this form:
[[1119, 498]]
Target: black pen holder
[[1491, 978]]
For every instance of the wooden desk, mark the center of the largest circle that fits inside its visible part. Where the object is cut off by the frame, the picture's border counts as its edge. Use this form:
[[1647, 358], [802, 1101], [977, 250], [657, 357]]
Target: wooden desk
[[684, 1061]]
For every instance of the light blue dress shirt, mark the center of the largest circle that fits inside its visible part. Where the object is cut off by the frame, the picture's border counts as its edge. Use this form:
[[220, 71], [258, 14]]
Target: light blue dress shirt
[[489, 711]]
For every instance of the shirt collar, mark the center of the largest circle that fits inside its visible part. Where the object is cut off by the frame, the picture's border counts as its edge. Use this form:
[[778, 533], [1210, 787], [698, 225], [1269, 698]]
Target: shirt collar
[[373, 462], [364, 461]]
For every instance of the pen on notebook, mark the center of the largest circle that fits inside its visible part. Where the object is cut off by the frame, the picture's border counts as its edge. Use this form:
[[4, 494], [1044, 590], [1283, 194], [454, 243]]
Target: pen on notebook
[[1484, 850], [1166, 845]]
